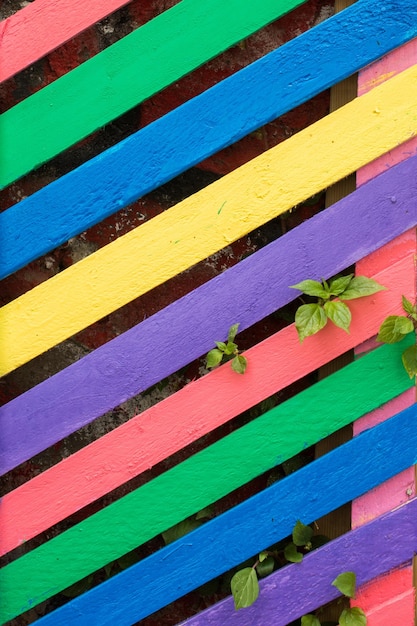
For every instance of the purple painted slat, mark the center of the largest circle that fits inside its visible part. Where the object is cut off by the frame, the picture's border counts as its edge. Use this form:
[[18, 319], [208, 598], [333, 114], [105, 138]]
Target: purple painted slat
[[370, 551], [320, 247]]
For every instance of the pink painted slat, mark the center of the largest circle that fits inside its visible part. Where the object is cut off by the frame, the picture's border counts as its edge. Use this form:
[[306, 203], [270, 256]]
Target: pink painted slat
[[388, 599], [145, 439], [42, 26], [391, 599]]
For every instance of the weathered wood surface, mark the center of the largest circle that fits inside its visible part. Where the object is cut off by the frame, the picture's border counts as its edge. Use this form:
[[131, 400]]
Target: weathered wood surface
[[42, 26], [209, 220], [222, 543], [223, 114], [372, 550], [182, 418], [118, 370], [99, 90]]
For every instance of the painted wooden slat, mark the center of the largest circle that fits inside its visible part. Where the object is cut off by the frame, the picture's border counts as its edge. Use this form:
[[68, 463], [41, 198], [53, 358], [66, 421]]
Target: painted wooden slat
[[374, 549], [42, 26], [209, 220], [395, 491], [200, 127], [393, 596], [131, 70], [118, 370], [222, 543], [149, 510], [155, 434]]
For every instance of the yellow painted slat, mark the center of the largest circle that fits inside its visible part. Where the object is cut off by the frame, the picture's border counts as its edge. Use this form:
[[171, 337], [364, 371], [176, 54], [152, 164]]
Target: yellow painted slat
[[209, 220]]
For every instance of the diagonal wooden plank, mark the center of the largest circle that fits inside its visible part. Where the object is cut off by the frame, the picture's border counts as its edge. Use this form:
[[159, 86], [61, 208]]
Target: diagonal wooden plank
[[165, 428], [99, 90], [209, 220], [42, 26], [222, 543], [200, 127], [118, 370], [374, 549]]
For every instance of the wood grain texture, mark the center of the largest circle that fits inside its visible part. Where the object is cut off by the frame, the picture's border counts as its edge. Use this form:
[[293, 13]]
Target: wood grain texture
[[222, 543], [202, 126], [372, 550], [209, 220], [118, 370], [42, 26], [159, 52], [182, 418]]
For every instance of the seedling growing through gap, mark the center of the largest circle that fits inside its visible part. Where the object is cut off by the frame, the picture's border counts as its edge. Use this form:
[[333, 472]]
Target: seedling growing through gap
[[310, 318], [227, 351], [395, 327]]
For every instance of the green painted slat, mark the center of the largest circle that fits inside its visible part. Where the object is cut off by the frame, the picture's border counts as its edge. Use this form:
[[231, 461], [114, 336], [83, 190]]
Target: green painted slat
[[131, 70], [219, 469]]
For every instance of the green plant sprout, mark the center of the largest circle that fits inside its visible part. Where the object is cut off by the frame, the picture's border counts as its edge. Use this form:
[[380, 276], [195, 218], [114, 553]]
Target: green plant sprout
[[352, 616], [310, 318], [395, 327], [229, 351], [245, 584]]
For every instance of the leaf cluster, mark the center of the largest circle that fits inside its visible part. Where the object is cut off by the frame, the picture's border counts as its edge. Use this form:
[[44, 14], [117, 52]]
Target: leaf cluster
[[330, 305], [227, 350], [352, 616], [244, 583], [395, 327]]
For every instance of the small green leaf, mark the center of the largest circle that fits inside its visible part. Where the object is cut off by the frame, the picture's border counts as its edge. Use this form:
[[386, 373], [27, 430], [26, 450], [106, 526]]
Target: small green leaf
[[180, 529], [239, 364], [312, 288], [352, 617], [265, 567], [220, 345], [409, 308], [394, 328], [319, 540], [232, 332], [263, 555], [230, 348], [309, 319], [409, 359], [206, 513], [339, 313], [213, 358], [301, 534], [291, 553], [310, 620], [245, 587], [361, 286], [338, 285], [346, 583]]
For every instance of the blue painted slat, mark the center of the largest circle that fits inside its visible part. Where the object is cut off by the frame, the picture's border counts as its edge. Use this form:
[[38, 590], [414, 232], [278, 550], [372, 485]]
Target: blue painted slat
[[252, 97], [322, 486], [386, 543], [118, 370]]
